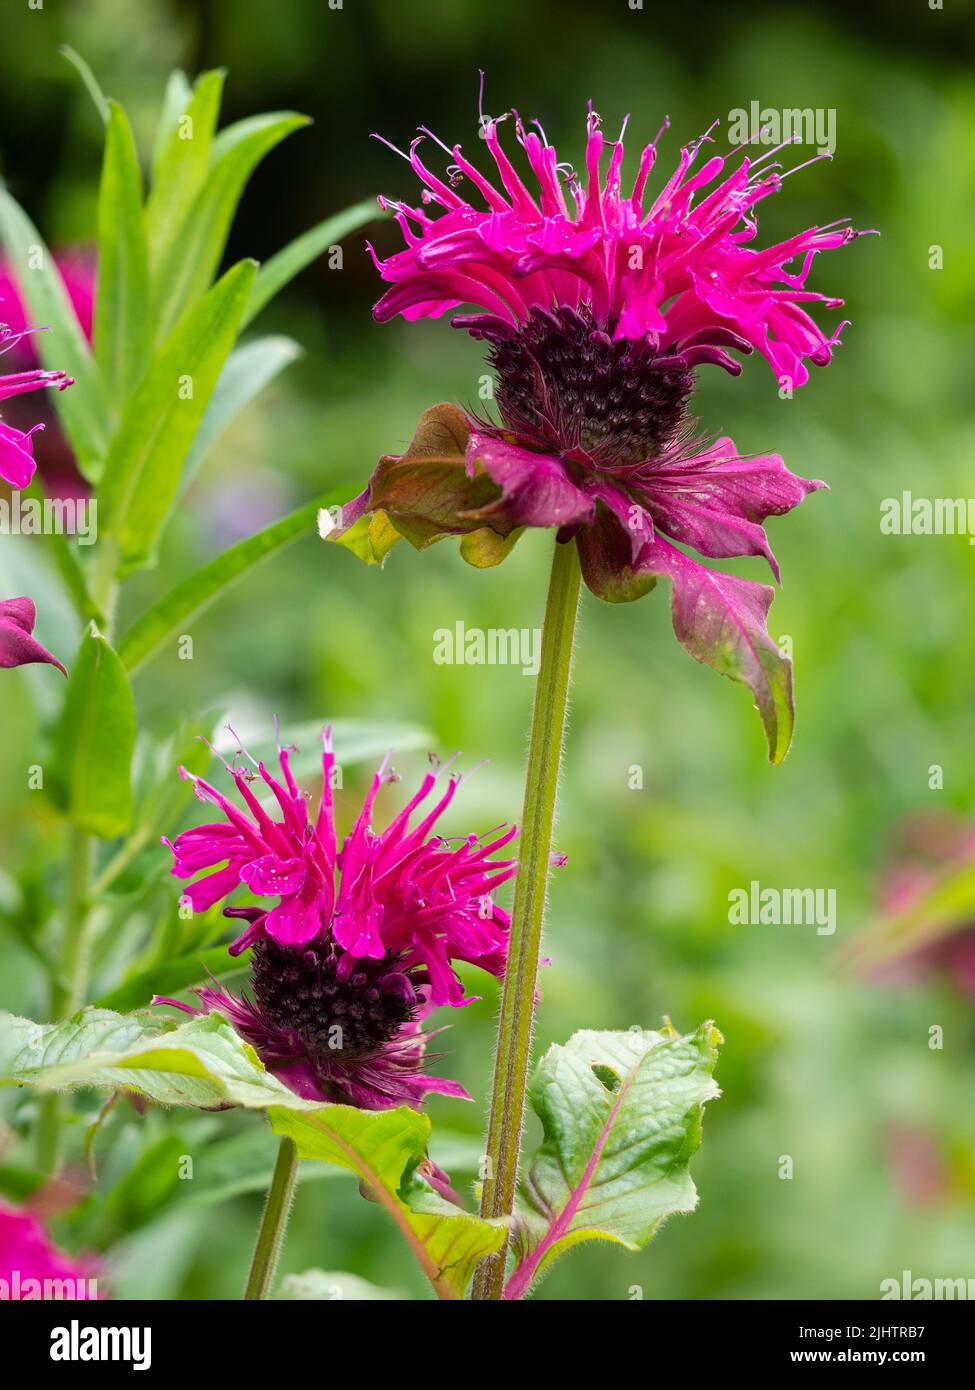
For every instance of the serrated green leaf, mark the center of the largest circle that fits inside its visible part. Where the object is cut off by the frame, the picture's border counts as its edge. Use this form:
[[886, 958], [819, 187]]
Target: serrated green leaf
[[621, 1114], [383, 1148], [95, 741], [122, 327], [195, 594], [248, 370], [201, 1063], [162, 417], [181, 158], [293, 258], [188, 263], [83, 407]]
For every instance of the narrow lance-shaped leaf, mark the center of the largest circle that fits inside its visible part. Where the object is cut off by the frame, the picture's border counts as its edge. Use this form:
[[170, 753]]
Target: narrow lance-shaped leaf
[[122, 328], [82, 407], [188, 263], [275, 273], [385, 1149], [249, 369], [95, 740], [176, 98], [162, 417], [621, 1114], [195, 594], [88, 78], [181, 158]]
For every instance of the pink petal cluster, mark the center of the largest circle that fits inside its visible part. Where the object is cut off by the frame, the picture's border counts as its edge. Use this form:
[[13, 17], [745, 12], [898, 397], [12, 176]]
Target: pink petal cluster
[[678, 268], [401, 891], [598, 304], [17, 464], [361, 943]]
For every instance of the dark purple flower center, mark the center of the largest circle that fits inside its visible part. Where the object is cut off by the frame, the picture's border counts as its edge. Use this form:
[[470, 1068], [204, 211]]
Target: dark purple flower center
[[564, 383], [334, 1004]]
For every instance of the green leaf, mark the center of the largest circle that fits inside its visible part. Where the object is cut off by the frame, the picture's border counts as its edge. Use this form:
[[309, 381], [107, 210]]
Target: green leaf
[[122, 328], [88, 78], [249, 369], [181, 159], [176, 99], [293, 258], [82, 407], [162, 417], [201, 1063], [195, 594], [172, 977], [64, 551], [188, 263], [146, 1187], [95, 741], [320, 1285], [621, 1114], [384, 1149]]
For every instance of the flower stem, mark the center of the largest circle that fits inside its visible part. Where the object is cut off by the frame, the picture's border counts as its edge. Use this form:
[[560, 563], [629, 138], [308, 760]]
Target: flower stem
[[69, 986], [68, 993], [518, 992], [274, 1222]]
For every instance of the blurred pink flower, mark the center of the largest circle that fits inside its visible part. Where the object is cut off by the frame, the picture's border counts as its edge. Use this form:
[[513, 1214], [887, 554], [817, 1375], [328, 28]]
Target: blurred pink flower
[[32, 1267], [17, 465], [931, 849]]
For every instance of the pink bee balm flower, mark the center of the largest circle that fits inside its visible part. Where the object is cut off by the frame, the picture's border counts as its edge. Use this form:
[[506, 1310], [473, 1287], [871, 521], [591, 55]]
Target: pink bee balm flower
[[31, 1267], [18, 646], [16, 450], [598, 306], [78, 268], [361, 938]]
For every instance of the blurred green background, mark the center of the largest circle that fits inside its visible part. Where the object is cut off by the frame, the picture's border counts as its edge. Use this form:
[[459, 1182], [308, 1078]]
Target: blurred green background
[[835, 1072]]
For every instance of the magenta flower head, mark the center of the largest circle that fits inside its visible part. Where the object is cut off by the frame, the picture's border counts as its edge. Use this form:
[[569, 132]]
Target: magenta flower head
[[18, 646], [16, 449], [31, 1267], [597, 306], [360, 943]]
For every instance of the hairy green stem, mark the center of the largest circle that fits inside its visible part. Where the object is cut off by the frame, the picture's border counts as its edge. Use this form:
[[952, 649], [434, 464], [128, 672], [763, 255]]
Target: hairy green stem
[[518, 992], [274, 1222], [70, 983]]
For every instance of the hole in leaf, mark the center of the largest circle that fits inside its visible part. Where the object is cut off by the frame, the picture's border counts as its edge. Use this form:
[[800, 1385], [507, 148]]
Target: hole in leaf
[[607, 1076]]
